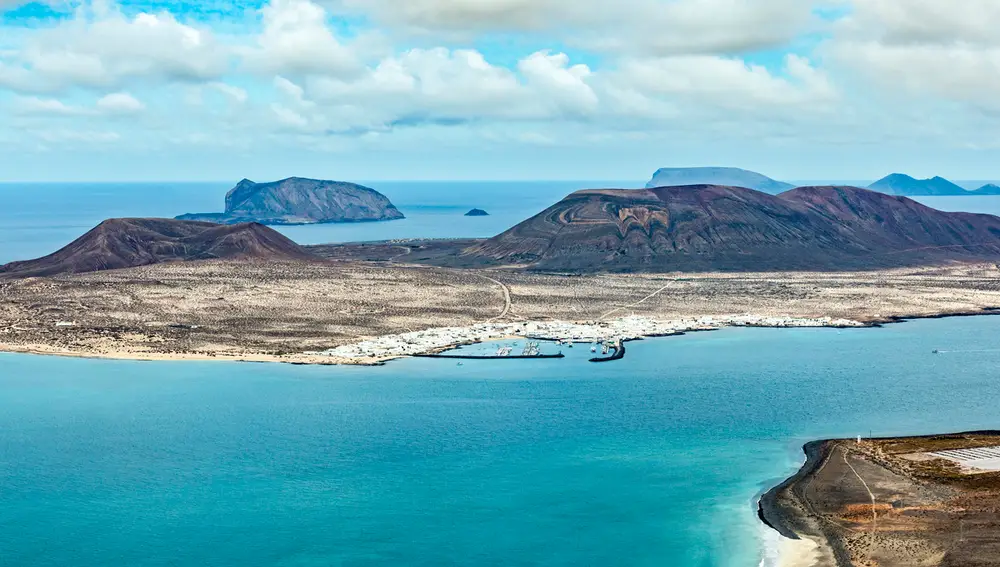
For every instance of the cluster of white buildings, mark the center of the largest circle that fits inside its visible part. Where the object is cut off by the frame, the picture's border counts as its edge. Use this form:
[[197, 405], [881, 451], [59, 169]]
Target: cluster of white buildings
[[627, 328]]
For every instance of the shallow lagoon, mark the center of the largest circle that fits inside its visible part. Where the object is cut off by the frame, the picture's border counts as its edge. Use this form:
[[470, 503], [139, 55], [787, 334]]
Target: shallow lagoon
[[653, 460]]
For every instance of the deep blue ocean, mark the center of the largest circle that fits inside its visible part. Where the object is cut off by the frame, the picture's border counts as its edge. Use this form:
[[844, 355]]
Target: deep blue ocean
[[652, 461], [655, 460]]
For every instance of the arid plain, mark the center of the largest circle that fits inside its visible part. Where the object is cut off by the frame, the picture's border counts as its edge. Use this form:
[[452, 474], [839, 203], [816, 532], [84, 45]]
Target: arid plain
[[282, 311]]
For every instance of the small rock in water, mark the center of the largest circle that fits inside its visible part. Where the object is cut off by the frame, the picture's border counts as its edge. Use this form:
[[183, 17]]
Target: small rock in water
[[477, 213]]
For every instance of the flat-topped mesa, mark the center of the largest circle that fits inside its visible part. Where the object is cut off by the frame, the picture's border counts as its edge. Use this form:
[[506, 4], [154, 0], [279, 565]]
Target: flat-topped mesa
[[901, 184], [728, 176], [711, 227], [297, 200], [127, 243]]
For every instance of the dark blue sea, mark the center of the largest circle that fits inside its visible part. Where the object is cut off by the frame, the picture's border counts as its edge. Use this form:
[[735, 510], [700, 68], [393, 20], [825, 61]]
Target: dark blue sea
[[652, 461]]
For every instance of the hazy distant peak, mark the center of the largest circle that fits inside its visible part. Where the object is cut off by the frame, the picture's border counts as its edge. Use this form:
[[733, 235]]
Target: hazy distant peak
[[902, 184], [725, 176], [988, 189]]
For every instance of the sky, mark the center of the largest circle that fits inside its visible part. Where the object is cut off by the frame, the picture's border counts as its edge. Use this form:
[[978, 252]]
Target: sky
[[175, 90]]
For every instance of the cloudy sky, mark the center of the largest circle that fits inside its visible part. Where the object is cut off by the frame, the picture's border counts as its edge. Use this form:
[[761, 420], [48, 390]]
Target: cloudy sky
[[497, 89]]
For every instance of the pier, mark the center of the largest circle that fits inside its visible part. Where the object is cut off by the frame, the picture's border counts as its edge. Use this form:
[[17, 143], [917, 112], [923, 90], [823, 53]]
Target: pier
[[619, 348], [490, 356]]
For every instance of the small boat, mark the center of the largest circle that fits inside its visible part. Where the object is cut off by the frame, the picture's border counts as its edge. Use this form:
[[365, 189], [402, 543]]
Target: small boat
[[461, 364], [593, 349], [935, 351]]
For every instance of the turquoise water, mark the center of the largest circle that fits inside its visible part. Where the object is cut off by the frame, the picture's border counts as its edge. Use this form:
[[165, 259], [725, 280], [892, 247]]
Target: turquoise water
[[37, 219], [652, 461]]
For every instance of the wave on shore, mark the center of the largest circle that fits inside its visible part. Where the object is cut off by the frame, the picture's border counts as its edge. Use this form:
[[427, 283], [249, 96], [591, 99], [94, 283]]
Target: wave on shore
[[779, 551]]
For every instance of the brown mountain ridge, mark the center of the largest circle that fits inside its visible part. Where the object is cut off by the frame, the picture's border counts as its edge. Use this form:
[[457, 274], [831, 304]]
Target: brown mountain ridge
[[126, 243], [710, 227]]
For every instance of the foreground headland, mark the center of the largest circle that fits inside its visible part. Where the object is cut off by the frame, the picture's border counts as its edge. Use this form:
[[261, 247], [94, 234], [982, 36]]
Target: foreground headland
[[368, 312], [893, 502]]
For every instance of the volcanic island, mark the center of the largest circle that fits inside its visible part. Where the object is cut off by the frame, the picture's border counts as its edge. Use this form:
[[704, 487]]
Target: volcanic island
[[600, 265]]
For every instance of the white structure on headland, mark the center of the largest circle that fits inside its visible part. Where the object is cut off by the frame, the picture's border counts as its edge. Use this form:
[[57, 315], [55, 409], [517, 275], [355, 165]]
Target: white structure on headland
[[981, 458]]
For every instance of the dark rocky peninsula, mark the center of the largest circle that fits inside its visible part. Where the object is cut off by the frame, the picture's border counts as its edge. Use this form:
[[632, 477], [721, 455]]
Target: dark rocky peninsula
[[895, 502]]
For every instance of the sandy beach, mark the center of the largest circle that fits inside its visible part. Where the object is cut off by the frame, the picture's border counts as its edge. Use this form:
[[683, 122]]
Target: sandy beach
[[803, 552]]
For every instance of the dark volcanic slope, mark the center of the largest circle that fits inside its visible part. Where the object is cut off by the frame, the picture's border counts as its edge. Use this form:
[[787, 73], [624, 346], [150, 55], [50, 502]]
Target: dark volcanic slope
[[124, 243], [301, 201], [711, 227]]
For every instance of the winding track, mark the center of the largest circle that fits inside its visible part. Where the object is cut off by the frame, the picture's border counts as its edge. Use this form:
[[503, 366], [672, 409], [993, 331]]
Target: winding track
[[506, 297], [407, 250], [871, 542], [637, 303]]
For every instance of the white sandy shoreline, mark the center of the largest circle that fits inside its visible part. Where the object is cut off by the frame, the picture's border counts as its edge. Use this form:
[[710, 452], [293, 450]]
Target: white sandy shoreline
[[435, 340], [627, 328], [779, 551], [799, 553]]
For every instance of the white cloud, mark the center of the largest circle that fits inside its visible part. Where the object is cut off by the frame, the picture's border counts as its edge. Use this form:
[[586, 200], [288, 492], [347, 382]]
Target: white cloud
[[11, 4], [969, 22], [564, 86], [441, 86], [77, 136], [922, 50], [290, 89], [120, 103], [45, 106], [236, 94], [648, 26], [289, 118], [697, 86], [296, 40], [108, 105], [309, 74], [102, 48]]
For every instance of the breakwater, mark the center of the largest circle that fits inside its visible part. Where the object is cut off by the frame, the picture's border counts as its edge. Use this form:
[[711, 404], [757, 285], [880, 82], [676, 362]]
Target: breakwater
[[491, 356]]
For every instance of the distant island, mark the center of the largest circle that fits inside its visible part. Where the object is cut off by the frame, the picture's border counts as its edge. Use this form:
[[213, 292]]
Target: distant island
[[477, 213], [988, 189], [296, 200], [730, 176], [905, 185], [128, 243], [901, 184]]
